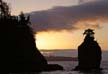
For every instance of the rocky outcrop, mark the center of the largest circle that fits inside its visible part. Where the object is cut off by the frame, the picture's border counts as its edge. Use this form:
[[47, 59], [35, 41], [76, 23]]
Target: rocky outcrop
[[18, 48], [89, 53]]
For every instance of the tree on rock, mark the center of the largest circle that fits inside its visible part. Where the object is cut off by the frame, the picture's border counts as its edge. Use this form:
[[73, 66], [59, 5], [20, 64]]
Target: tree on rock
[[89, 52]]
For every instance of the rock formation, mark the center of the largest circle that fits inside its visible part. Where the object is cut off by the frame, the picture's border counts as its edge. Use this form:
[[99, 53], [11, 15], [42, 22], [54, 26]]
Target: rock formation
[[89, 53], [18, 49]]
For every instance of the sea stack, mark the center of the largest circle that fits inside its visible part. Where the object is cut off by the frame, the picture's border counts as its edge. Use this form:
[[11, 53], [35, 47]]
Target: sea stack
[[89, 52]]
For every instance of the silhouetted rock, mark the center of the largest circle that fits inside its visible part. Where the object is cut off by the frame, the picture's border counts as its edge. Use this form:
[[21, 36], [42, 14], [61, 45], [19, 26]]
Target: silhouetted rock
[[18, 49], [47, 67], [89, 53]]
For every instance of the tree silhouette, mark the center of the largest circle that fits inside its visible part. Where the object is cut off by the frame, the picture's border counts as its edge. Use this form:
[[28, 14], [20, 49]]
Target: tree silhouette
[[89, 32], [4, 9], [18, 48], [89, 52], [89, 35]]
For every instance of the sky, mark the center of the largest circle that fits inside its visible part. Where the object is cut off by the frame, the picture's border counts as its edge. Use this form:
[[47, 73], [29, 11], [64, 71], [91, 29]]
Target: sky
[[59, 24]]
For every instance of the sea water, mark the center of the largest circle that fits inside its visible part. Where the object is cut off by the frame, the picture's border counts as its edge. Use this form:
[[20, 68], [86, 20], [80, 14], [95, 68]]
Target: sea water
[[70, 65]]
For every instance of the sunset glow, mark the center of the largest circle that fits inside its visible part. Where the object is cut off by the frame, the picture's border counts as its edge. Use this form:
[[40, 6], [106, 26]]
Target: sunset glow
[[63, 31], [69, 40], [57, 40]]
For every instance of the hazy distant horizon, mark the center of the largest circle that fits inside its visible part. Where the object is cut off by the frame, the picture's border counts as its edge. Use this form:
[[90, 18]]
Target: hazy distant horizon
[[69, 53], [64, 49]]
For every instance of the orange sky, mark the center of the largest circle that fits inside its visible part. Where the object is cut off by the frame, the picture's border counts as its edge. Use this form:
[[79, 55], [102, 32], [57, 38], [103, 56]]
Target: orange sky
[[62, 39], [58, 40], [69, 40]]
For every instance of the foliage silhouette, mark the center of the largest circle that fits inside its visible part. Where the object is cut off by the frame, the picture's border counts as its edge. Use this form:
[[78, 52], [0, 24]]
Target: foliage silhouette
[[89, 53], [18, 49]]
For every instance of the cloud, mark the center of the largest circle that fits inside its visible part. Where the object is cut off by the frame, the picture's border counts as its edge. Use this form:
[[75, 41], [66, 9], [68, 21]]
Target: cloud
[[71, 17], [86, 1]]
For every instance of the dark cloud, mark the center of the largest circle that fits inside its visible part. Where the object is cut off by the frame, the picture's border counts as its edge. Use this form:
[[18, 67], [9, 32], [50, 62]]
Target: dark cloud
[[70, 18]]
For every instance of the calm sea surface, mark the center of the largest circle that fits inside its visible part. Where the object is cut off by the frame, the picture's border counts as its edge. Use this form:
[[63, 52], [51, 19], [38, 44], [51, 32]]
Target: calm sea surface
[[70, 65]]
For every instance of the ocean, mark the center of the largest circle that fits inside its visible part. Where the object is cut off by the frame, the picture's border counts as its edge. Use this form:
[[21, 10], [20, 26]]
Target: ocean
[[70, 65]]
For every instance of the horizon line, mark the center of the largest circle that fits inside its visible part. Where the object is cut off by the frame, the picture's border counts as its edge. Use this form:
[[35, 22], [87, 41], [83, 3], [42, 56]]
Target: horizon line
[[63, 49]]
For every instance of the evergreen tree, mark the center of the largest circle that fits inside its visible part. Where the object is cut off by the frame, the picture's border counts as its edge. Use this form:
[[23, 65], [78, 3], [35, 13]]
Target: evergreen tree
[[4, 9], [18, 51]]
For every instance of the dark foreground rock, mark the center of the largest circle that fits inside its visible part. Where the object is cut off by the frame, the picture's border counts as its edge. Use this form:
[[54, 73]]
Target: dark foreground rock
[[48, 67], [18, 51], [35, 68], [89, 53]]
